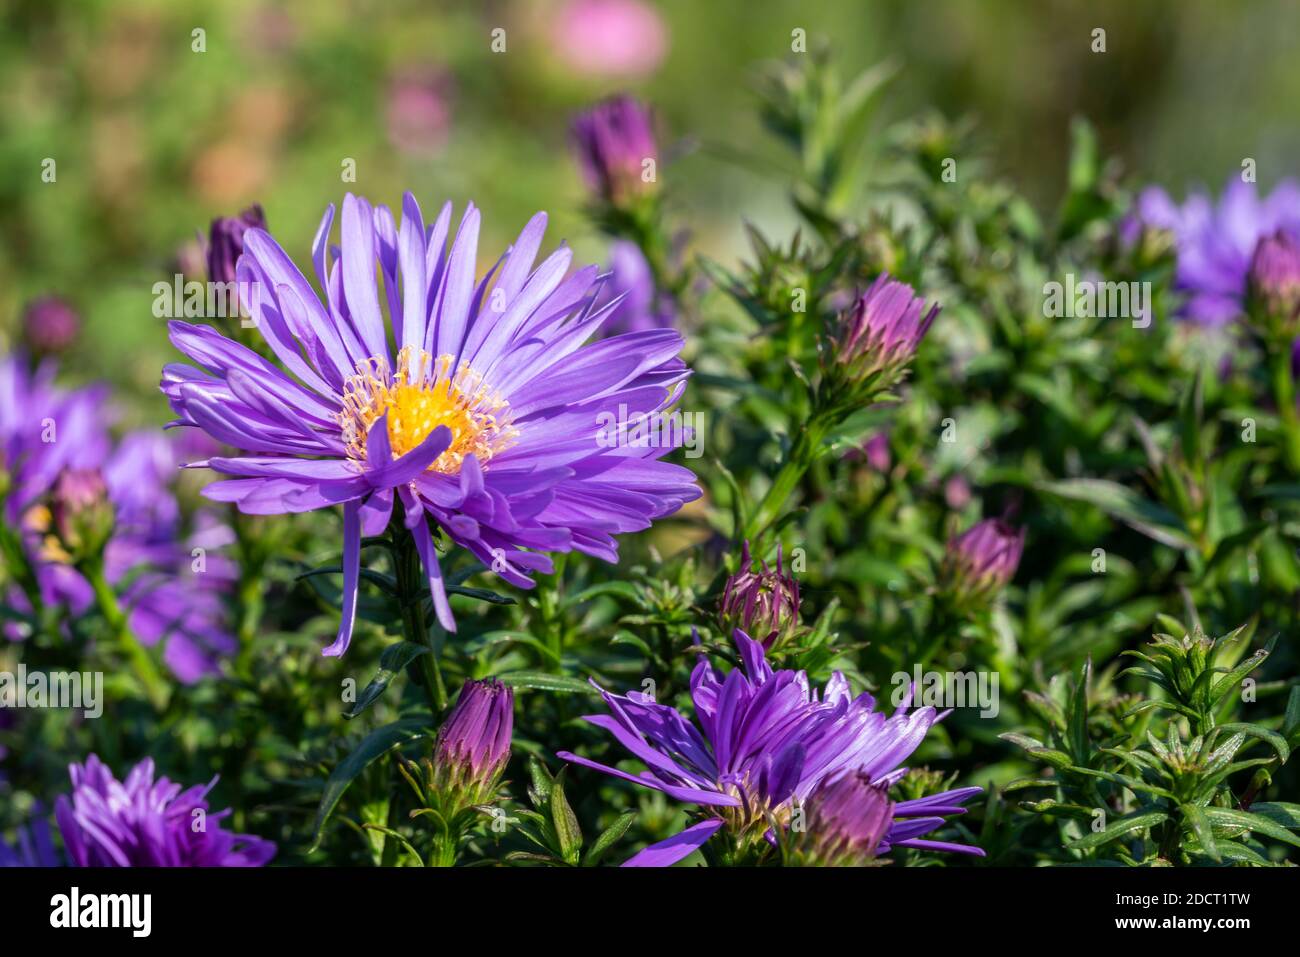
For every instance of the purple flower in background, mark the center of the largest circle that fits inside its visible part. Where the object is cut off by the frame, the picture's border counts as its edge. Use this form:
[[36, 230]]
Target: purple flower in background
[[877, 338], [1215, 243], [50, 325], [614, 140], [767, 742], [982, 560], [418, 110], [474, 742], [146, 823], [54, 446], [226, 242], [610, 37], [631, 282], [32, 846], [481, 412]]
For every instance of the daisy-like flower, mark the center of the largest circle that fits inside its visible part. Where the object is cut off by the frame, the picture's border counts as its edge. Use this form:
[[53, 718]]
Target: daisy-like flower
[[1216, 242], [766, 742], [475, 401], [146, 823]]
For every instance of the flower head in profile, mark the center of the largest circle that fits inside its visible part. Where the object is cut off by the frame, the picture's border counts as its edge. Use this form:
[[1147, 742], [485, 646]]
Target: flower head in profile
[[766, 742], [616, 149], [473, 744], [143, 822], [474, 402], [763, 602], [981, 561], [50, 325], [845, 823], [1274, 282], [1215, 242], [875, 340], [226, 242]]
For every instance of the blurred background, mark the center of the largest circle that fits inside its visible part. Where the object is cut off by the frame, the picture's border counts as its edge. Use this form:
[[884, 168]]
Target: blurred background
[[151, 137]]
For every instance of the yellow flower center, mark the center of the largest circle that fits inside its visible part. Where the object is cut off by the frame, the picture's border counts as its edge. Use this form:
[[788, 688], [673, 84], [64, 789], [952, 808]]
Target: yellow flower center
[[422, 394]]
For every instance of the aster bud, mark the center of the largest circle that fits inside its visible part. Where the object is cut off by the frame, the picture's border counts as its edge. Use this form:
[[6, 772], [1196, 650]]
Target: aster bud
[[764, 604], [875, 340], [473, 744], [981, 561], [616, 149], [81, 513], [846, 818], [1274, 280], [226, 242], [50, 325]]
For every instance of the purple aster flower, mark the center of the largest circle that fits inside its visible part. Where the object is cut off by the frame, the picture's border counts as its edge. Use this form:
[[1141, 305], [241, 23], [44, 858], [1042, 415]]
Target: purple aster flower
[[226, 242], [982, 560], [764, 603], [630, 285], [32, 846], [766, 742], [474, 742], [481, 411], [146, 823], [57, 460], [50, 325], [614, 140], [1215, 243], [877, 338], [610, 37]]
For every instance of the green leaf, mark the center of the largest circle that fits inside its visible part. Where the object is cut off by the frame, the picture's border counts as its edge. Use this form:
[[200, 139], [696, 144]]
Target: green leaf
[[1200, 826], [567, 831], [1263, 734], [373, 746], [611, 834], [1123, 504], [1117, 829], [1280, 812], [393, 660], [1233, 678], [1232, 818], [481, 594], [542, 681]]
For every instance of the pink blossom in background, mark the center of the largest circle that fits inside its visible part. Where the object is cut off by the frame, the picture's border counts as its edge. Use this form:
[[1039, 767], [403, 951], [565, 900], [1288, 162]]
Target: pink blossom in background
[[419, 110], [610, 37]]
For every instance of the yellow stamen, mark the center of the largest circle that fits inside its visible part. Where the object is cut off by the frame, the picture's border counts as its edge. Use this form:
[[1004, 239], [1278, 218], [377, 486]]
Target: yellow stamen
[[421, 395]]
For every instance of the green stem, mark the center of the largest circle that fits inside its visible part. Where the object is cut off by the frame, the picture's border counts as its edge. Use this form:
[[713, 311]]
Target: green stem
[[155, 687], [803, 453], [1284, 396]]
